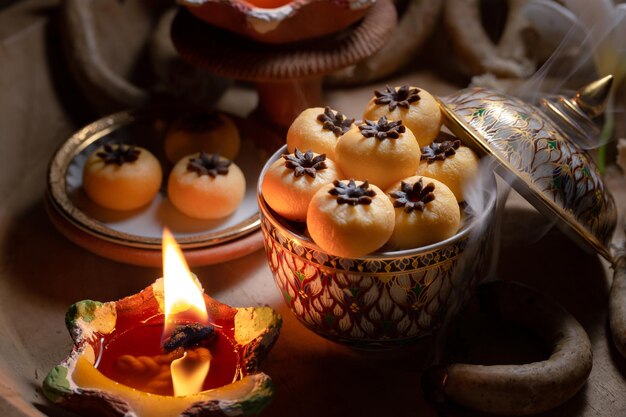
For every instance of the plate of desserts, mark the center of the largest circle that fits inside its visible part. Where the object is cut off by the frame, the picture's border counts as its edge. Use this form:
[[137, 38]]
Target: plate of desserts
[[116, 183]]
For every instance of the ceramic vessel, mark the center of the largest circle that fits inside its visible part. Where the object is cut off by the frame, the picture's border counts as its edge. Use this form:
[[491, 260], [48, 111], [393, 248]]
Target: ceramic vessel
[[77, 384], [384, 300], [279, 21]]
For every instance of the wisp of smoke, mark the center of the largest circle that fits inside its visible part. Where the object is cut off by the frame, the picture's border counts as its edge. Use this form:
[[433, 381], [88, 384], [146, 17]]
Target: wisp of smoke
[[589, 38]]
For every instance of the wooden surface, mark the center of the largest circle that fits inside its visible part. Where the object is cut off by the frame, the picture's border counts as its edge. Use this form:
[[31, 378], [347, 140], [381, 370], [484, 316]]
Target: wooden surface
[[42, 273]]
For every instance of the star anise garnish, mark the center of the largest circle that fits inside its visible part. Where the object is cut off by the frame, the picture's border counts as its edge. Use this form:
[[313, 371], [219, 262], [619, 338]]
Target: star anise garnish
[[335, 122], [413, 197], [202, 121], [444, 146], [118, 153], [382, 129], [208, 164], [305, 163], [402, 97], [352, 194]]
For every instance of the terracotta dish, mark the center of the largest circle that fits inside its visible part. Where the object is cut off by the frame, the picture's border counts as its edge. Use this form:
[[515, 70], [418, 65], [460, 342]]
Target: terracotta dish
[[277, 21]]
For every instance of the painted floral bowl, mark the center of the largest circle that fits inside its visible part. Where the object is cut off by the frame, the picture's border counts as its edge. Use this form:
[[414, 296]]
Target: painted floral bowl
[[279, 21], [384, 300]]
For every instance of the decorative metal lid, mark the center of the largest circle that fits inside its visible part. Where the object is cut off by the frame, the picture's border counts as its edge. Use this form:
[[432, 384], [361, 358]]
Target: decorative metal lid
[[540, 148]]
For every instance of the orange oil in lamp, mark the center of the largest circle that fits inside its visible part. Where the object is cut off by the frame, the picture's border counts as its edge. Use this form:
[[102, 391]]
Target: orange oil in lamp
[[134, 356], [134, 353]]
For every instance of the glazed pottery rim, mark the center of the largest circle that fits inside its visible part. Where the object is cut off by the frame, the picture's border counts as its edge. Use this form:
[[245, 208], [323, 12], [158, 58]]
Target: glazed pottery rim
[[265, 211], [281, 12], [274, 12]]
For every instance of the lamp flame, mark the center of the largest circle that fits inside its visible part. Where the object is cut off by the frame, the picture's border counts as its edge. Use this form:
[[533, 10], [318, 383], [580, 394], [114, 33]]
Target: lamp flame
[[184, 303], [183, 292], [189, 372]]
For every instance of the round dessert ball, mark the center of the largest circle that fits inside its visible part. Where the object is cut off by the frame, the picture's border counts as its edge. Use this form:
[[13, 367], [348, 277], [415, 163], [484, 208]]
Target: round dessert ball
[[381, 152], [350, 218], [446, 160], [426, 212], [205, 131], [318, 129], [122, 177], [206, 186], [418, 110], [290, 182]]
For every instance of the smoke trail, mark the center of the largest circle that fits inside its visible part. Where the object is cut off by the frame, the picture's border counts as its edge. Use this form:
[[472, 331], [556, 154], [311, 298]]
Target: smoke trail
[[592, 44]]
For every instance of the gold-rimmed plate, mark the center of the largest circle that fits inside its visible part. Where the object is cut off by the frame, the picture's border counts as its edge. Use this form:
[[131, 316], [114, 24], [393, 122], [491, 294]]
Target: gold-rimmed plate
[[141, 229]]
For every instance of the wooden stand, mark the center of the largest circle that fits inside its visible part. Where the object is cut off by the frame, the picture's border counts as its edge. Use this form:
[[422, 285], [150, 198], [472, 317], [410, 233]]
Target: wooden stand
[[288, 77]]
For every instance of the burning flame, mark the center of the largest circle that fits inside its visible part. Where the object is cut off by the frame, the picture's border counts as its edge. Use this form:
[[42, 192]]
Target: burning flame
[[183, 302], [183, 292], [188, 374]]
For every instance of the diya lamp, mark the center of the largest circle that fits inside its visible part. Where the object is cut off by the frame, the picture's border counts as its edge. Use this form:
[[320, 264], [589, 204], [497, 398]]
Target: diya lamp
[[168, 350], [279, 21]]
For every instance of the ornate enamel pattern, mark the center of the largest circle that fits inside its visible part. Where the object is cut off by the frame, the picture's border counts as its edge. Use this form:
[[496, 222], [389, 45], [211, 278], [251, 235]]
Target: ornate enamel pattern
[[374, 303], [552, 171]]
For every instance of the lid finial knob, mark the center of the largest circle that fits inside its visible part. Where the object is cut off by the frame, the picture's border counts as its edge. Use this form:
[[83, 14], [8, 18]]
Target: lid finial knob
[[592, 97]]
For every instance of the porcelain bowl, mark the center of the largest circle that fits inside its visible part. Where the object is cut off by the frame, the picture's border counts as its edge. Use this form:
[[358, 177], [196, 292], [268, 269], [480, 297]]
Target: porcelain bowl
[[384, 300]]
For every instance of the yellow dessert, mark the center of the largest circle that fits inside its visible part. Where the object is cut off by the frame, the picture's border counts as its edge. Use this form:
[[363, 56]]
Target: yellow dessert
[[426, 212], [290, 182], [448, 161], [122, 177], [206, 131], [381, 152], [418, 110], [206, 186], [318, 129], [350, 218]]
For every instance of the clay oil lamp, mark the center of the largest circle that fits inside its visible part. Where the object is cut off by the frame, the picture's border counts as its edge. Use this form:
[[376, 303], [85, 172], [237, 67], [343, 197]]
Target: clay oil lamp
[[168, 350], [279, 21]]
